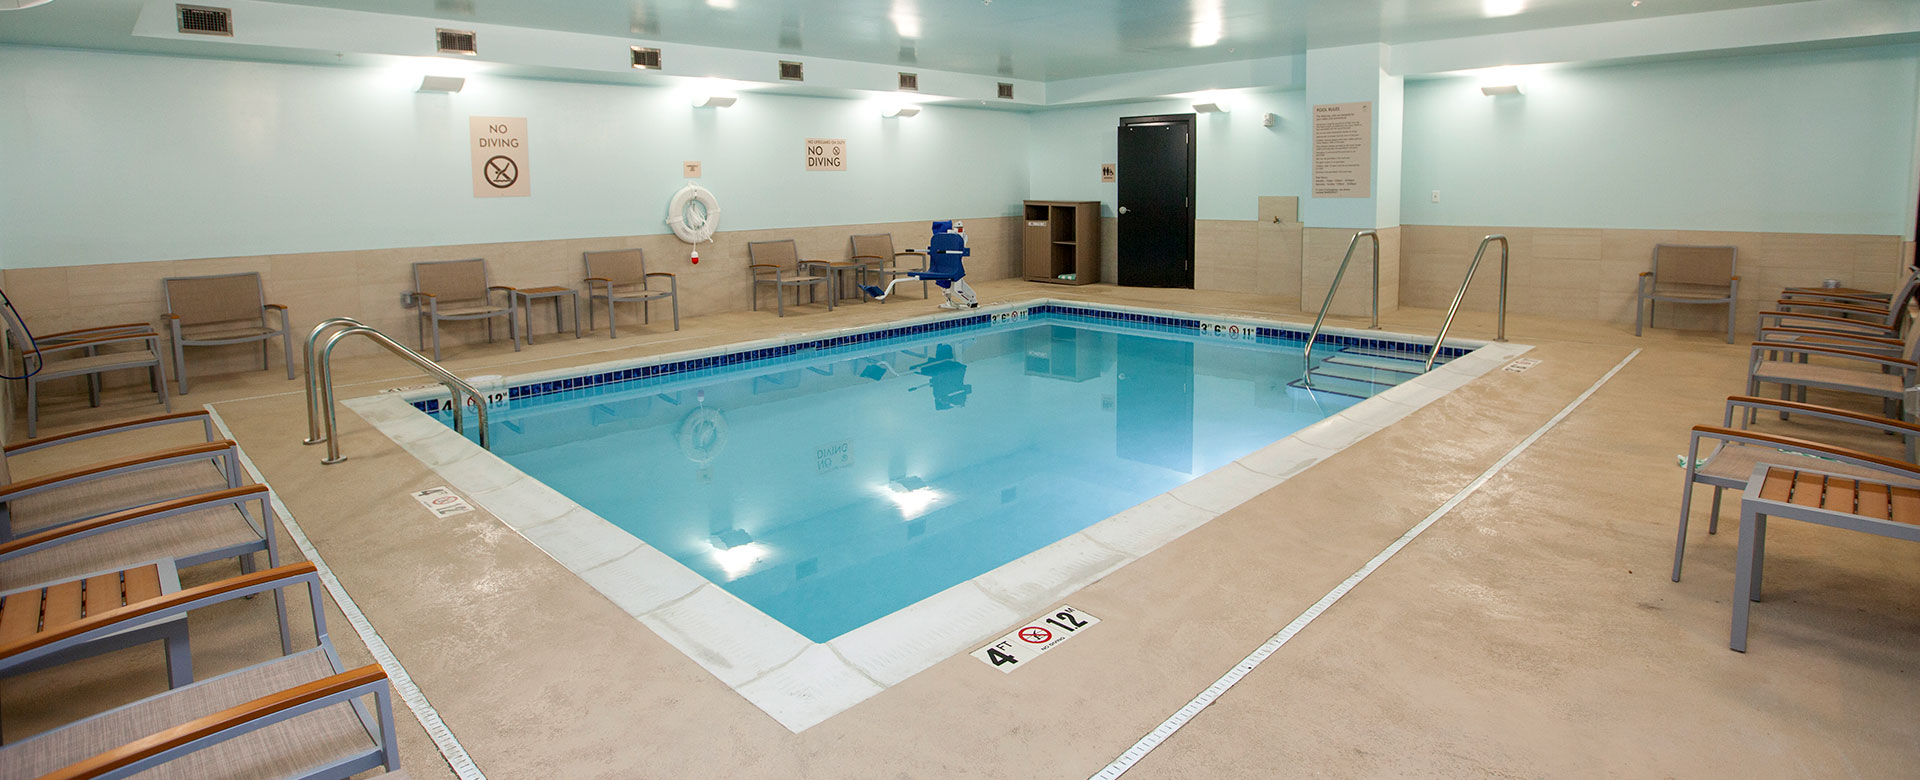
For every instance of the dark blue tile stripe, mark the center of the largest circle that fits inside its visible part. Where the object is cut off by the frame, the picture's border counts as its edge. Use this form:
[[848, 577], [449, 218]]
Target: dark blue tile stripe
[[806, 350]]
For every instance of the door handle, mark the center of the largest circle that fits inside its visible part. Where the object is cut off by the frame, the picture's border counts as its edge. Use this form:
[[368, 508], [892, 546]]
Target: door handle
[[1123, 209]]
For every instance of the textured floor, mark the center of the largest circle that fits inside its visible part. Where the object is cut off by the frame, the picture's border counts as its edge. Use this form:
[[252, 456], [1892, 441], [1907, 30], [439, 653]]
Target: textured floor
[[1532, 632]]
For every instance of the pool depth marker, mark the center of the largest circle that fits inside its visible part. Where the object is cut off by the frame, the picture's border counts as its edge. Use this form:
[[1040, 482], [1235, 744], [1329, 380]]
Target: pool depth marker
[[450, 748], [1213, 692]]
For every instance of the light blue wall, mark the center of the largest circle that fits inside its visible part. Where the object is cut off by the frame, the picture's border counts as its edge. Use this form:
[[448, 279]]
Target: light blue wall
[[118, 158], [1238, 159], [1814, 142]]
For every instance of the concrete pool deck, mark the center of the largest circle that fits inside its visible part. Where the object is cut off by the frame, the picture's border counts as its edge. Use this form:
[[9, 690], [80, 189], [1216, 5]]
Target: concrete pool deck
[[1533, 631]]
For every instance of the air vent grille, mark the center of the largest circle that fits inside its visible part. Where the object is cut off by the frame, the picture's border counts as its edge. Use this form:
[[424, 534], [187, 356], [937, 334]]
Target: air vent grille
[[1006, 91], [455, 42], [910, 82], [645, 58], [791, 71], [205, 20]]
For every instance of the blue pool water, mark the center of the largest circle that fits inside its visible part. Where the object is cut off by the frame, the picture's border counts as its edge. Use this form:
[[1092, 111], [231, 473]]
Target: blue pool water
[[829, 492]]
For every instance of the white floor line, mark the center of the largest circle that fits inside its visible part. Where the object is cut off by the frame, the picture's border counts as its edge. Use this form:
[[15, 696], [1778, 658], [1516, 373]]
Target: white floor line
[[1213, 692], [450, 748]]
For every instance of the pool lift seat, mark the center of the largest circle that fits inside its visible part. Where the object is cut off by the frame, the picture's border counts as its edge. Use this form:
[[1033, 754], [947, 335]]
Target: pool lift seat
[[945, 269]]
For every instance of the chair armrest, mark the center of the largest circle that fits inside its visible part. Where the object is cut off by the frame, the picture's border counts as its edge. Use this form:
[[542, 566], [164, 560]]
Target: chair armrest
[[1786, 302], [1838, 415], [274, 306], [133, 516], [156, 457], [100, 329], [1854, 324], [599, 279], [1646, 273], [341, 687], [1802, 445], [762, 265], [102, 430], [1848, 354], [1733, 278], [169, 316], [493, 287], [197, 596], [660, 273], [418, 294], [1827, 334]]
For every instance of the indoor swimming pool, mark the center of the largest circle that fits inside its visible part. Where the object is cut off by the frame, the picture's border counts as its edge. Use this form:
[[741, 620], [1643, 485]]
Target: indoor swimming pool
[[828, 487]]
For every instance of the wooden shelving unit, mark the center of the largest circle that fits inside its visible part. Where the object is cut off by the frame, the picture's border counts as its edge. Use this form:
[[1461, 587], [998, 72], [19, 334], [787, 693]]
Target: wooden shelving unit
[[1060, 238]]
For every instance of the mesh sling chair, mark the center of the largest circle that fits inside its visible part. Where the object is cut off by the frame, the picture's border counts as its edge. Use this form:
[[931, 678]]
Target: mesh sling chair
[[620, 276], [878, 249], [80, 354], [301, 715], [1689, 274], [457, 290], [777, 263], [33, 504], [212, 311]]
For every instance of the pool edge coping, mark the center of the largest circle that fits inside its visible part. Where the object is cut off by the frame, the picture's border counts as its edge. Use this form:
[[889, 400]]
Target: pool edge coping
[[801, 683]]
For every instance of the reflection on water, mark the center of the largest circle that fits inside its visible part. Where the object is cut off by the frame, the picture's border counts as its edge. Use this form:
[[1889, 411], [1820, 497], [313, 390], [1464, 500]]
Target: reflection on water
[[832, 492]]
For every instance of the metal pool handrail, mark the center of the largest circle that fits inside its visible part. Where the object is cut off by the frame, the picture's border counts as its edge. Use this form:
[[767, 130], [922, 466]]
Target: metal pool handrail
[[1454, 307], [1307, 357], [460, 392], [313, 388]]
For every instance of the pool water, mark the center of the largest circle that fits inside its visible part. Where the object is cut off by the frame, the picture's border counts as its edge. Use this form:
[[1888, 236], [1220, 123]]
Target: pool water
[[831, 492]]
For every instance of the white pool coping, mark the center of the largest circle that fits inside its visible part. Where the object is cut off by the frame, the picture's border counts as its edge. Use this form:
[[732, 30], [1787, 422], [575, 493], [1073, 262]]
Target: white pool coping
[[802, 683]]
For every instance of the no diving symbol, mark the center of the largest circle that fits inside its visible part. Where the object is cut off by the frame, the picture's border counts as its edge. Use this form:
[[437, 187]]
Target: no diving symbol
[[1035, 635], [501, 171]]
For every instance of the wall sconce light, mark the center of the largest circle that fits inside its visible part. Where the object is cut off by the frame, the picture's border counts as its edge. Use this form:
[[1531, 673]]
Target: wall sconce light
[[1503, 89], [714, 101], [899, 111], [447, 84], [1214, 106]]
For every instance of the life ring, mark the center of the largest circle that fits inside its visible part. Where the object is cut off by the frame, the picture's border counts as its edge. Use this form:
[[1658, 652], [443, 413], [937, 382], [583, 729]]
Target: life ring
[[693, 225], [703, 434]]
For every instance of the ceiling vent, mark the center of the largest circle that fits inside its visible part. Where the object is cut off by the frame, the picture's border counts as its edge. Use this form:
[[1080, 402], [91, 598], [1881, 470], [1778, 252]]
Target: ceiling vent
[[645, 58], [790, 71], [910, 82], [455, 42], [1006, 91], [204, 20]]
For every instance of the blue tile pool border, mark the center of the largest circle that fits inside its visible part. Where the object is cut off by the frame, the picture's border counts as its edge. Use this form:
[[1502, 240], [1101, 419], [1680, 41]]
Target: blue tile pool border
[[824, 346]]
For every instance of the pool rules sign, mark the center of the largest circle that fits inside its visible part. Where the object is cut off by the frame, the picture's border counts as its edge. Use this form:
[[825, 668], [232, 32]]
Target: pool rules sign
[[499, 145]]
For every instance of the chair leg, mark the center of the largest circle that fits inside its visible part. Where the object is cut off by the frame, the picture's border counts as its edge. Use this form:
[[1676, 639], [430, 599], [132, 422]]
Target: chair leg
[[1639, 314], [591, 321], [613, 319], [164, 400], [756, 296], [1713, 520], [676, 310], [1680, 543], [436, 341], [180, 365], [646, 312], [179, 657], [515, 332], [265, 355], [33, 408], [489, 330], [780, 301], [1743, 579], [286, 342]]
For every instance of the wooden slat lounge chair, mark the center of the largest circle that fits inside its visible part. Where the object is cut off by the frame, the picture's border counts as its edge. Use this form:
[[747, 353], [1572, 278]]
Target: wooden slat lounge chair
[[211, 311], [189, 531], [1692, 275], [1730, 454], [1853, 295], [777, 263], [37, 609], [1888, 505], [103, 487], [303, 715], [458, 290], [877, 249], [86, 353], [1870, 372], [620, 276]]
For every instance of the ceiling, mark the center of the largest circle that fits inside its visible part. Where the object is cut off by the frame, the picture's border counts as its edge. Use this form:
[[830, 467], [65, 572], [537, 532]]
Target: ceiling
[[1041, 40]]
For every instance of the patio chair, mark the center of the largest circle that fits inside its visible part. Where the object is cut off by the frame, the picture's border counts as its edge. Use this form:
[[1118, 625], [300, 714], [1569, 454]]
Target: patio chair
[[85, 353], [1887, 505], [84, 492], [877, 248], [1850, 294], [189, 531], [1692, 275], [777, 264], [620, 276], [219, 310], [1732, 453], [301, 715], [1862, 372], [458, 291]]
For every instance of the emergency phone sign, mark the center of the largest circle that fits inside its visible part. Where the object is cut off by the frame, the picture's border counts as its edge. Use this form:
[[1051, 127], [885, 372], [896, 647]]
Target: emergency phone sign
[[826, 154], [1027, 642]]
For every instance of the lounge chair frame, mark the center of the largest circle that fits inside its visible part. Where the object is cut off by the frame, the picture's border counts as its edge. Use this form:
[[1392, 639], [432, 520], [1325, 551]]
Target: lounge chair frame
[[1694, 279], [220, 302], [90, 362], [612, 276], [768, 264], [344, 686], [428, 301], [223, 454]]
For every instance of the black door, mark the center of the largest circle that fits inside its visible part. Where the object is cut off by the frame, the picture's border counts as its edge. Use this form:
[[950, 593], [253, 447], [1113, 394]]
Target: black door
[[1156, 201]]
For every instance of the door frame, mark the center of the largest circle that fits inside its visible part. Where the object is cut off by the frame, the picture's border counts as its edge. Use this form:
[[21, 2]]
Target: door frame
[[1190, 122]]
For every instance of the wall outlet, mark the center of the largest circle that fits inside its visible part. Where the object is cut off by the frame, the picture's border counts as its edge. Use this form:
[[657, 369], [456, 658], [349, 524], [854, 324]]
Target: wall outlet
[[1436, 196]]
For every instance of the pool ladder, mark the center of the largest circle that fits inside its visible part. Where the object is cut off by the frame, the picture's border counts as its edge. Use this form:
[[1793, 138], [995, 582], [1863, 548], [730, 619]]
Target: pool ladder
[[1454, 308], [320, 402], [1307, 358]]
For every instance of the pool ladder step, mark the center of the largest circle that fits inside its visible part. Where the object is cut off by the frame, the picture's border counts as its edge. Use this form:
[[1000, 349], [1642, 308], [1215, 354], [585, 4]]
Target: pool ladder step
[[1335, 384]]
